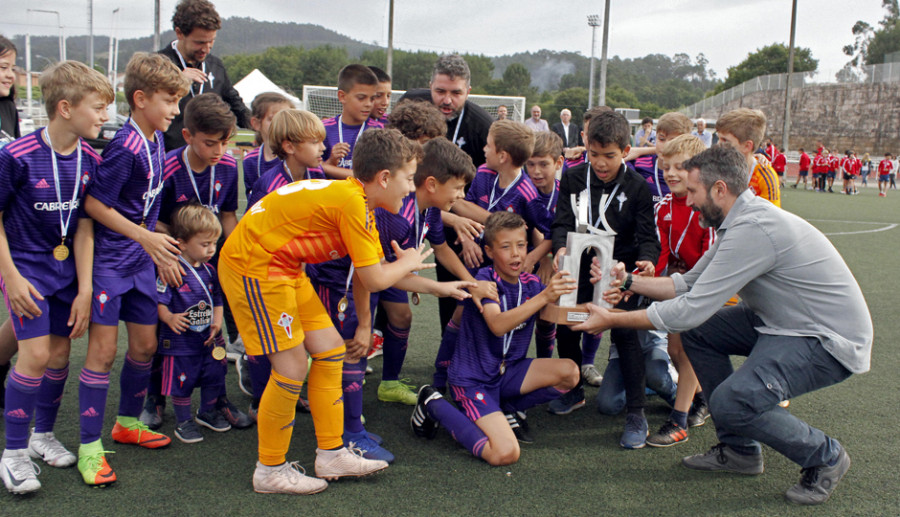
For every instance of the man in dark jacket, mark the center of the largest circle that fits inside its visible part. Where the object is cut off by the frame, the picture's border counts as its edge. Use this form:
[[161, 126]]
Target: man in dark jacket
[[196, 23]]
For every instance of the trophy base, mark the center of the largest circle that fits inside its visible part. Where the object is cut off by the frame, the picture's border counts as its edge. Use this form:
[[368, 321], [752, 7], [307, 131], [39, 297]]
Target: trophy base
[[553, 313]]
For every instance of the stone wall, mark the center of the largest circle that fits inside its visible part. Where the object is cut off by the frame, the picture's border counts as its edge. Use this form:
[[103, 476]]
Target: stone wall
[[861, 117]]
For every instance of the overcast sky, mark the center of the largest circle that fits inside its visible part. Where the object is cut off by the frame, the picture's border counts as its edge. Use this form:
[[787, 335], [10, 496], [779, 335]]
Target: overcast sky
[[724, 30]]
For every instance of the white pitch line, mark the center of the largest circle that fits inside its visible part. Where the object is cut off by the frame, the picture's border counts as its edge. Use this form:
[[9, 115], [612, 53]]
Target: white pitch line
[[890, 226]]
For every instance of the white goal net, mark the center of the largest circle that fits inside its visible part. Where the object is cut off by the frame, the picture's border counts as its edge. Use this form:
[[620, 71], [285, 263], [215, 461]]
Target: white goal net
[[323, 101]]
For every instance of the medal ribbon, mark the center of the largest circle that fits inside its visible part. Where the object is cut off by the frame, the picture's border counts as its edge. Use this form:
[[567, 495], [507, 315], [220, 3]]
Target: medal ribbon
[[212, 181], [184, 65], [491, 202], [147, 201], [609, 200], [507, 338], [64, 225]]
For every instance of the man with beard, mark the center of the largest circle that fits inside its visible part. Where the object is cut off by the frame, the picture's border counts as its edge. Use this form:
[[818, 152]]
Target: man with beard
[[467, 127], [790, 279], [196, 23]]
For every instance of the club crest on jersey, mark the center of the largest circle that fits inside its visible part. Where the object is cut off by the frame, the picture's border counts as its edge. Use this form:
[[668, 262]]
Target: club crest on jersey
[[102, 298], [85, 179], [285, 322], [621, 198], [460, 142], [218, 188], [181, 379], [509, 209]]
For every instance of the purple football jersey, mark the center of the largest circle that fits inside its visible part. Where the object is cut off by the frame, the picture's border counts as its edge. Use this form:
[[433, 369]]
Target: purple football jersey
[[648, 167], [401, 227], [337, 132], [276, 178], [216, 186], [255, 165], [129, 181], [28, 194], [485, 191], [192, 299], [479, 352]]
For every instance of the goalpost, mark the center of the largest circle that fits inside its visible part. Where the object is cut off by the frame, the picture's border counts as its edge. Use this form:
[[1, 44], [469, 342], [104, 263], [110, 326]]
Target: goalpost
[[322, 100]]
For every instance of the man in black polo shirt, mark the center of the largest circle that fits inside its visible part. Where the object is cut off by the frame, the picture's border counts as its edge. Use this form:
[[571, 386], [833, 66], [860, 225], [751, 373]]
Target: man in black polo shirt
[[196, 23]]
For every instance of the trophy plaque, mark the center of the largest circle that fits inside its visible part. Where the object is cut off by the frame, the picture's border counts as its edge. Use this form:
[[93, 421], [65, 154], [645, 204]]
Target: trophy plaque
[[566, 311]]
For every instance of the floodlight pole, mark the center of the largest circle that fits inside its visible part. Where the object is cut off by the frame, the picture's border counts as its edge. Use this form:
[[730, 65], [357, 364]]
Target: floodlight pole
[[593, 23], [90, 47], [62, 39], [156, 25], [786, 130], [112, 39], [603, 60], [390, 45]]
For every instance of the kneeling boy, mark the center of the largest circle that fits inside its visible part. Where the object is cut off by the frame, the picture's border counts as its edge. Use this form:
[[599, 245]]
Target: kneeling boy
[[489, 374]]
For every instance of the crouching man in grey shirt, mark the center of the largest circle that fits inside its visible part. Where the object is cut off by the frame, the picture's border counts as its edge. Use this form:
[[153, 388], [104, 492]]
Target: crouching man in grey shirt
[[792, 282]]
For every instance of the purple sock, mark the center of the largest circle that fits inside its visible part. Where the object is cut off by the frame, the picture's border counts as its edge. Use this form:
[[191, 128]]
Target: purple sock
[[260, 369], [589, 346], [679, 417], [210, 395], [49, 397], [133, 384], [182, 407], [154, 389], [92, 389], [544, 338], [445, 354], [461, 428], [21, 395], [352, 384], [396, 342], [529, 400]]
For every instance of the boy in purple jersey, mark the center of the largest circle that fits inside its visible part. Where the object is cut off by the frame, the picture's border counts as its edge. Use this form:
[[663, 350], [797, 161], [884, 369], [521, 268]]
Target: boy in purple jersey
[[192, 318], [295, 137], [440, 179], [356, 93], [260, 159], [578, 155], [201, 172], [382, 95], [334, 284], [670, 125], [499, 185], [46, 252], [122, 199], [490, 375]]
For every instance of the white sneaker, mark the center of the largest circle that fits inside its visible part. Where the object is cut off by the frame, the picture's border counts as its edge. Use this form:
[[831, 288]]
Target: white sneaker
[[19, 473], [345, 462], [234, 349], [287, 478], [45, 446], [591, 375]]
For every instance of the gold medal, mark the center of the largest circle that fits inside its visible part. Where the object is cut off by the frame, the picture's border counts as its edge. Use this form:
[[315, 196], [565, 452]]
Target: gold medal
[[143, 225], [218, 353], [502, 367], [61, 252], [343, 304], [415, 299]]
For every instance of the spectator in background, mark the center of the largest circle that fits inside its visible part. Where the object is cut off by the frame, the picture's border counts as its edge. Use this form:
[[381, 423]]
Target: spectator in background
[[702, 133], [501, 112], [569, 132], [536, 123], [645, 136]]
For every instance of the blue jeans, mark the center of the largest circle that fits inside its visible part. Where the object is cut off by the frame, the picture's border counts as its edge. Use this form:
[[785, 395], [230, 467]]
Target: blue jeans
[[744, 403], [611, 394]]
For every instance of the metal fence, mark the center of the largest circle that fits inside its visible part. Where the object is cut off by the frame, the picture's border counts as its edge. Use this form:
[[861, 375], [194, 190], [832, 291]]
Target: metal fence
[[872, 74]]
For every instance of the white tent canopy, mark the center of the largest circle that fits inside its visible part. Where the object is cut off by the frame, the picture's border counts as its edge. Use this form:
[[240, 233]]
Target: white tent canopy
[[255, 83]]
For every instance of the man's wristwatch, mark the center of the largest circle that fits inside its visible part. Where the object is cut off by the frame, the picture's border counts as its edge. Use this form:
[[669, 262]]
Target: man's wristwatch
[[627, 283]]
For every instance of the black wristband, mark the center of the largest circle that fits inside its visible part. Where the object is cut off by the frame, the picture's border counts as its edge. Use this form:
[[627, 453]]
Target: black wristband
[[627, 283]]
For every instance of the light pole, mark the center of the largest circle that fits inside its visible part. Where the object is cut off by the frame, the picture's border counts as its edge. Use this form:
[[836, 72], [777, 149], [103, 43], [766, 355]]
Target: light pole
[[786, 130], [603, 55], [62, 40], [112, 39], [390, 46], [593, 22]]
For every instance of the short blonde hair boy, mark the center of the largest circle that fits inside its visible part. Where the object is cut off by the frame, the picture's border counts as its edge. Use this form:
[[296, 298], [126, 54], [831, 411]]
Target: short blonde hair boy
[[294, 125], [194, 219], [674, 124], [151, 73], [515, 138], [72, 81], [547, 143], [745, 124]]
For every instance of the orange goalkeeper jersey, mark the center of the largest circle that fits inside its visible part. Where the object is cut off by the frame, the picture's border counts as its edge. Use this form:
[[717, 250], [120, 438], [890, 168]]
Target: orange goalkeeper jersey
[[308, 221], [764, 181]]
